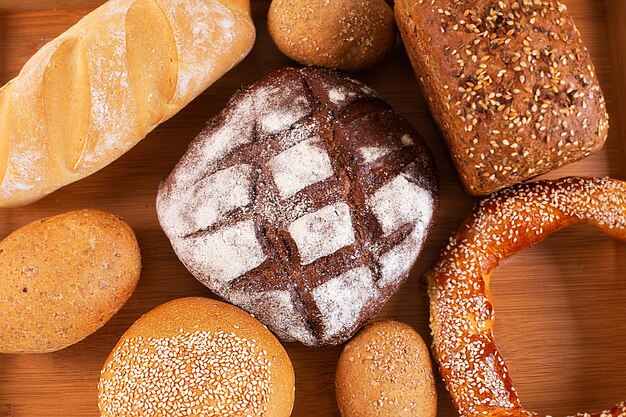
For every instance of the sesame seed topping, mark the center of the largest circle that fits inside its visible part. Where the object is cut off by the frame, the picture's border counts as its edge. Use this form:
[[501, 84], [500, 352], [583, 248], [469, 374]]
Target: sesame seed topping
[[462, 312], [520, 68], [201, 373]]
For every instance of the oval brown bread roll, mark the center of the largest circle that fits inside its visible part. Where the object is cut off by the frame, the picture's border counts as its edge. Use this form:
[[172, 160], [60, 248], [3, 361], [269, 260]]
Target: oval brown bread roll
[[386, 371], [306, 202], [91, 94], [197, 357], [64, 277], [342, 34]]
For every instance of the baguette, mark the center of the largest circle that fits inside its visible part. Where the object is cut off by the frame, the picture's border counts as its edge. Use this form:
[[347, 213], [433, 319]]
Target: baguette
[[509, 83], [91, 94]]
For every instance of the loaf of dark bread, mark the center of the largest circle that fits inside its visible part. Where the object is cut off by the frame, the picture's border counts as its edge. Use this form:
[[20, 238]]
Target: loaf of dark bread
[[305, 201], [509, 83]]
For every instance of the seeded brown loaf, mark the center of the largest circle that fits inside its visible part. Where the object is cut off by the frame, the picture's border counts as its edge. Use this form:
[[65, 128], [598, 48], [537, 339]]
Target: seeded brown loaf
[[462, 311], [305, 201], [342, 34], [197, 357], [64, 277], [509, 83], [88, 96], [386, 371]]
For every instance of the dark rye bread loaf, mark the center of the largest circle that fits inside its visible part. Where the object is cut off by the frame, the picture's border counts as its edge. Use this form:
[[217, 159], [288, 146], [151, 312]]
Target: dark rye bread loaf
[[509, 83], [305, 202]]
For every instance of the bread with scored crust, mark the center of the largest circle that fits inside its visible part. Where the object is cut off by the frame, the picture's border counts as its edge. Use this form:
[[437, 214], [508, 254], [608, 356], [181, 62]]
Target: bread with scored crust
[[305, 201], [91, 94]]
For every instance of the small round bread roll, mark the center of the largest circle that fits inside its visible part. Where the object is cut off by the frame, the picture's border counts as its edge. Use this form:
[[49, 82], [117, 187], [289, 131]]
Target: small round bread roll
[[386, 371], [349, 35], [64, 277], [197, 357]]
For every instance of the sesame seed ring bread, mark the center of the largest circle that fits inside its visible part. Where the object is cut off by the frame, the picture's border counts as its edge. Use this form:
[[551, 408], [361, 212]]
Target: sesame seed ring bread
[[197, 357], [461, 305]]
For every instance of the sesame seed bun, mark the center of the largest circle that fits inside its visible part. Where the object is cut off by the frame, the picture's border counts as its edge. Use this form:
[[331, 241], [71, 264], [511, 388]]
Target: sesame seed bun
[[197, 357], [386, 371]]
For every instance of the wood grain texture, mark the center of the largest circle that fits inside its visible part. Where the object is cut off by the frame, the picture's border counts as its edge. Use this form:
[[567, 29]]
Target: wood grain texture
[[560, 304], [616, 16]]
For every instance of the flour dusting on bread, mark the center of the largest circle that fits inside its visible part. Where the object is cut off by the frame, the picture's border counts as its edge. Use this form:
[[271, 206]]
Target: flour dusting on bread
[[276, 219]]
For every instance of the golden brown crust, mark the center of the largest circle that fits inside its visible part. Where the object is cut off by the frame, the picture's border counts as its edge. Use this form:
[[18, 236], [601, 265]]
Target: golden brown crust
[[341, 34], [461, 307], [95, 91], [64, 277], [386, 371], [230, 360], [509, 83]]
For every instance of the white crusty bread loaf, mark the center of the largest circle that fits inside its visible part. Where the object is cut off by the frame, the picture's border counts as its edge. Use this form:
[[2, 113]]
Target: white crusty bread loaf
[[91, 94]]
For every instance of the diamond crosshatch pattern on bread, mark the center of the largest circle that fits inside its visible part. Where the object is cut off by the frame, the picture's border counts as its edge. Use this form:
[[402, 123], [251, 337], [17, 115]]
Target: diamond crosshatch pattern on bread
[[306, 202]]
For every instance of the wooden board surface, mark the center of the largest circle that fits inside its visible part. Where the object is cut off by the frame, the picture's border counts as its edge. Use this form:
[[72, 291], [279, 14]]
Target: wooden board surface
[[560, 304]]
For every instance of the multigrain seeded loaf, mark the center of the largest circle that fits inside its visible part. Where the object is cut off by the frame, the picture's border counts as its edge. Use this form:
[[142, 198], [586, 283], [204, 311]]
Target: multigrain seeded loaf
[[509, 83], [305, 201]]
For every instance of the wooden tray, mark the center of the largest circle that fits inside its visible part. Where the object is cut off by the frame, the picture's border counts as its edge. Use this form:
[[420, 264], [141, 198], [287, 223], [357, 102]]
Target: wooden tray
[[560, 304]]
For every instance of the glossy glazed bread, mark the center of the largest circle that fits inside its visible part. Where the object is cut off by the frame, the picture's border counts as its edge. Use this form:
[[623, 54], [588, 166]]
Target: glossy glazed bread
[[91, 94], [305, 201], [462, 312], [509, 83]]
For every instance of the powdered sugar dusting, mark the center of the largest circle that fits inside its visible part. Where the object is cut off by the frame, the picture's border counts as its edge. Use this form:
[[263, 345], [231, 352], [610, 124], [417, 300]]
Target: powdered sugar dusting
[[226, 254], [300, 166], [400, 202], [323, 232], [342, 299]]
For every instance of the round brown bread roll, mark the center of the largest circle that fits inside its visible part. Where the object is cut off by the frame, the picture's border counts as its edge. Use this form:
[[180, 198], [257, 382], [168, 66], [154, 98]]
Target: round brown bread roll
[[64, 277], [386, 371], [197, 357], [343, 34], [305, 201]]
